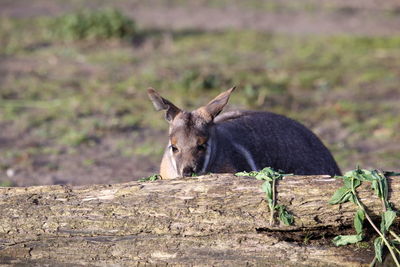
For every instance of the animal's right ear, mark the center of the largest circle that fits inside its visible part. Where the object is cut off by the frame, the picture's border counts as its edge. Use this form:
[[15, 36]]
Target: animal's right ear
[[215, 106], [161, 103]]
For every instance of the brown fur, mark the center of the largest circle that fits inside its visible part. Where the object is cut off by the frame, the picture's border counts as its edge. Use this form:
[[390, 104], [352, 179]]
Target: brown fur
[[188, 134], [202, 112]]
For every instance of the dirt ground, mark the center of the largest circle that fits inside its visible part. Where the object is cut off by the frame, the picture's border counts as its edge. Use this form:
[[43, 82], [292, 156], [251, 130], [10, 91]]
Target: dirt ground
[[107, 165], [293, 17]]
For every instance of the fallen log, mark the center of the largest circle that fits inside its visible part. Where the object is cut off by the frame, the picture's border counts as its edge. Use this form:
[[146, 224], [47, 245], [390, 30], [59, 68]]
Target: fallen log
[[209, 220]]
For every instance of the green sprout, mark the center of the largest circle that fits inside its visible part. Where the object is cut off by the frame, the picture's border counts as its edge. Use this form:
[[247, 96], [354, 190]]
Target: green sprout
[[378, 179], [150, 178], [270, 176]]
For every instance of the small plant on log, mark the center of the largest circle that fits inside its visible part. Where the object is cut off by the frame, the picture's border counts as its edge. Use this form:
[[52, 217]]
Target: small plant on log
[[270, 176], [352, 180], [150, 178]]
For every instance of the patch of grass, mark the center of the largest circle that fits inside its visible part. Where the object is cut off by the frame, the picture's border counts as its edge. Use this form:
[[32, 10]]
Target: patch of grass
[[92, 25], [6, 183], [17, 34], [24, 36], [88, 162], [74, 138], [148, 149]]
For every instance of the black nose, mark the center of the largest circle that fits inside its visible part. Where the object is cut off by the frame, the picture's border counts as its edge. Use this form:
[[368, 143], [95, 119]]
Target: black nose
[[187, 171]]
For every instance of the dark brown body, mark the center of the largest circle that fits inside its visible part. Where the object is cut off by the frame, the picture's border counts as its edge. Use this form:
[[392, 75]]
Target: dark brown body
[[263, 139]]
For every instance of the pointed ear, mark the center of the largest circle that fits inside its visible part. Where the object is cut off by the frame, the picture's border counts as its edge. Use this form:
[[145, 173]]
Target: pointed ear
[[215, 106], [161, 103]]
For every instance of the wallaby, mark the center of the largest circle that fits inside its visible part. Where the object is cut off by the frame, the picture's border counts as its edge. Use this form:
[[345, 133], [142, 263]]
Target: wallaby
[[202, 141]]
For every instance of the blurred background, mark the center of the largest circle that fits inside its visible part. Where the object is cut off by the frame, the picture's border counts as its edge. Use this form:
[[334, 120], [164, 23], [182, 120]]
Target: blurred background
[[73, 78]]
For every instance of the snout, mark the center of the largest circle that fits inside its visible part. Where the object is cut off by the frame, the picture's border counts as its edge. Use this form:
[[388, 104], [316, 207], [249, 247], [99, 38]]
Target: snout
[[188, 171]]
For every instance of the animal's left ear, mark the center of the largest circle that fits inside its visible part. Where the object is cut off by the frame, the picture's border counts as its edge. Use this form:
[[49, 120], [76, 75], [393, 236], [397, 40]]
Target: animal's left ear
[[161, 103], [215, 106]]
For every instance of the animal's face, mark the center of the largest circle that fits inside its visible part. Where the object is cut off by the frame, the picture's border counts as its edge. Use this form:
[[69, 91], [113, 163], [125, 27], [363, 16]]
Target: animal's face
[[189, 132], [188, 143]]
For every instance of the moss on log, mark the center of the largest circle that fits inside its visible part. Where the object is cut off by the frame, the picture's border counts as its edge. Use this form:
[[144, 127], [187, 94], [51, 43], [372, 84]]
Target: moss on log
[[209, 220]]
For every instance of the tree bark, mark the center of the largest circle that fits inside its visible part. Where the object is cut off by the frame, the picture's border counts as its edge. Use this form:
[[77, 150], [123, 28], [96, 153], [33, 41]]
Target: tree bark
[[210, 220]]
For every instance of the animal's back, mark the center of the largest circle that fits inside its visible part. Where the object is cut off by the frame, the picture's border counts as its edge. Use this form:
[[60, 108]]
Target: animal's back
[[264, 139]]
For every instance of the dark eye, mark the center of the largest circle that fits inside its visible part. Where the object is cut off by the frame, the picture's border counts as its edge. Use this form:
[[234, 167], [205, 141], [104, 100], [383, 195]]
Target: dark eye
[[174, 149], [201, 147]]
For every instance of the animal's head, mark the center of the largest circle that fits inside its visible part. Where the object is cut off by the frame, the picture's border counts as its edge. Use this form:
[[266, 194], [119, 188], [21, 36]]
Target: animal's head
[[189, 132]]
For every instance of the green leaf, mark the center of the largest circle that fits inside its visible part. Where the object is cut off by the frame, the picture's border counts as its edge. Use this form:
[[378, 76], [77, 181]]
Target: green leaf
[[358, 220], [395, 242], [375, 187], [342, 240], [286, 217], [246, 173], [387, 220], [267, 188], [379, 184], [340, 196], [365, 175], [350, 173], [384, 188], [360, 174], [149, 178], [353, 198], [378, 245], [376, 175], [348, 183], [263, 176], [267, 174]]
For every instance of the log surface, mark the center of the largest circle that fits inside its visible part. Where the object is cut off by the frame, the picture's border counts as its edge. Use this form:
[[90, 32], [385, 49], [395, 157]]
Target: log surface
[[209, 220]]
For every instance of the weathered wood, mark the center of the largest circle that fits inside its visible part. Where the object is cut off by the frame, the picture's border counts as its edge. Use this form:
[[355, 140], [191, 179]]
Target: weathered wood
[[209, 220]]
